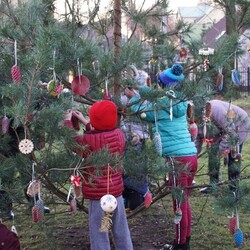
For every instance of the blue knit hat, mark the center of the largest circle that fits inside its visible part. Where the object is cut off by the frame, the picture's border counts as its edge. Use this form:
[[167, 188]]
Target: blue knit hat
[[171, 76]]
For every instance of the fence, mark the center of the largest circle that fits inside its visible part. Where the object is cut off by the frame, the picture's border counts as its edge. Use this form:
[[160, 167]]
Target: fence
[[244, 75]]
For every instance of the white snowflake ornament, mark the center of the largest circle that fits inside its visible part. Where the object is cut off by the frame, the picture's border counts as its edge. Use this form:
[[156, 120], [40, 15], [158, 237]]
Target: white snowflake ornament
[[108, 203], [26, 146]]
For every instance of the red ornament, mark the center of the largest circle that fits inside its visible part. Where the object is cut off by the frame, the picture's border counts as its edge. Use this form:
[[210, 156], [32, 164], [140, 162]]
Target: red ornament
[[75, 180], [232, 224], [106, 95], [183, 52], [30, 116], [206, 64], [16, 74], [80, 85], [193, 129], [5, 125], [37, 214]]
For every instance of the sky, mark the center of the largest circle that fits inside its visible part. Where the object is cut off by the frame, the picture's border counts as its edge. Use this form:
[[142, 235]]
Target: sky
[[174, 4]]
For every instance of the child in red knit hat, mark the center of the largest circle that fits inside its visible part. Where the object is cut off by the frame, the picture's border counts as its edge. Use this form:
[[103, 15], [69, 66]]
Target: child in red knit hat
[[104, 134]]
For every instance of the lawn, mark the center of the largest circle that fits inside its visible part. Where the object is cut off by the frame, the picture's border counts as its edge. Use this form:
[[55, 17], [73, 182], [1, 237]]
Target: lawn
[[150, 229]]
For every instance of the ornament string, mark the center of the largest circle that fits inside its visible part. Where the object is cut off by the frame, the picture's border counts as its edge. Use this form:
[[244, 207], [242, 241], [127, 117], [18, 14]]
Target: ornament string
[[33, 181], [171, 95], [79, 68], [15, 52], [106, 84], [236, 213], [54, 64], [108, 179], [155, 116], [157, 137], [176, 200]]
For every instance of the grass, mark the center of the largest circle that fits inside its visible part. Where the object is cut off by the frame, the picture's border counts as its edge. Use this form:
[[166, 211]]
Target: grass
[[210, 231]]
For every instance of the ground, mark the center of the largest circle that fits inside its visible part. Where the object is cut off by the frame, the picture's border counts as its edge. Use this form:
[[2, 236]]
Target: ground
[[150, 230]]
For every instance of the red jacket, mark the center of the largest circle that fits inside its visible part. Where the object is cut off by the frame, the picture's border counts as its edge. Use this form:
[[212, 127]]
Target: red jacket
[[8, 239], [95, 185]]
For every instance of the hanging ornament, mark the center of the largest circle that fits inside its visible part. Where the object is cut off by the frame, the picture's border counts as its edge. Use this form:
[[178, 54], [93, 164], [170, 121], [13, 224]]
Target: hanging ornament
[[235, 77], [206, 64], [171, 95], [238, 238], [16, 74], [80, 84], [106, 93], [148, 81], [232, 224], [73, 205], [108, 204], [33, 188], [158, 143], [96, 67], [143, 115], [55, 88], [193, 130], [76, 182], [178, 216], [183, 52], [157, 138], [5, 125], [38, 208], [220, 80], [13, 229], [26, 146], [231, 114], [15, 70]]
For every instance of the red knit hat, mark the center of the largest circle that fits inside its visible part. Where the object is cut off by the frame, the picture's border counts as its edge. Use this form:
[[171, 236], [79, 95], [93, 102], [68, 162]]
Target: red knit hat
[[103, 115]]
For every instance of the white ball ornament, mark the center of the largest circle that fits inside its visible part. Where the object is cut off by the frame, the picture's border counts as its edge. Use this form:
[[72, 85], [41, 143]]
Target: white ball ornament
[[143, 115], [108, 203]]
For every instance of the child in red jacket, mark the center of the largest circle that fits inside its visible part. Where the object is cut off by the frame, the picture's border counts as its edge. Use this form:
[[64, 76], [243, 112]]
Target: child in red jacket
[[104, 134]]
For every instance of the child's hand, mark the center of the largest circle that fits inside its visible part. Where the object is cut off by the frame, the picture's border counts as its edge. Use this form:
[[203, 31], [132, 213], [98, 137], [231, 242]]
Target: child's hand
[[68, 115], [80, 117], [129, 92]]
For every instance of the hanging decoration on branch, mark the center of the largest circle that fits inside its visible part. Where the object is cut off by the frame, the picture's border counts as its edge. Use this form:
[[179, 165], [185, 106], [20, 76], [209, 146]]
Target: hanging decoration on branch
[[54, 87], [220, 80], [108, 204], [106, 93], [206, 64], [38, 208], [193, 129], [75, 180], [235, 77], [157, 138], [80, 84], [5, 125], [15, 70], [25, 146], [234, 226], [183, 52]]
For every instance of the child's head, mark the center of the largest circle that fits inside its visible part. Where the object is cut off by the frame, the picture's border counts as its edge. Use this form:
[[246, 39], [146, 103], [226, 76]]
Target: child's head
[[103, 115], [171, 76]]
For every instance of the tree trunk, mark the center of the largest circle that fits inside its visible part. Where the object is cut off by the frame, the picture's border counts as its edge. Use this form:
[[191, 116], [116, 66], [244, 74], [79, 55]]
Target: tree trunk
[[117, 44]]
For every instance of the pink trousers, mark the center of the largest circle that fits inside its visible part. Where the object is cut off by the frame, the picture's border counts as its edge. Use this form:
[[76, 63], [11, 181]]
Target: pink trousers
[[182, 175]]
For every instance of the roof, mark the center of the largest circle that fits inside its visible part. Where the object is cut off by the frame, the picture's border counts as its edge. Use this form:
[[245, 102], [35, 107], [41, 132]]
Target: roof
[[214, 33], [194, 12]]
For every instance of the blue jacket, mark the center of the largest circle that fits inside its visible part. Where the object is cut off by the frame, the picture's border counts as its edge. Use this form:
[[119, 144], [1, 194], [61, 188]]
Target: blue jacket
[[175, 137]]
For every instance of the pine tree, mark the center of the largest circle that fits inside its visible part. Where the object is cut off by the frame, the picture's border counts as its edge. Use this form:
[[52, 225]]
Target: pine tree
[[45, 50]]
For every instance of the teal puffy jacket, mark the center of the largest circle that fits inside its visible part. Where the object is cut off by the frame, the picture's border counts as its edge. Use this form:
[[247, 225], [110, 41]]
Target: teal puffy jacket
[[175, 137]]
